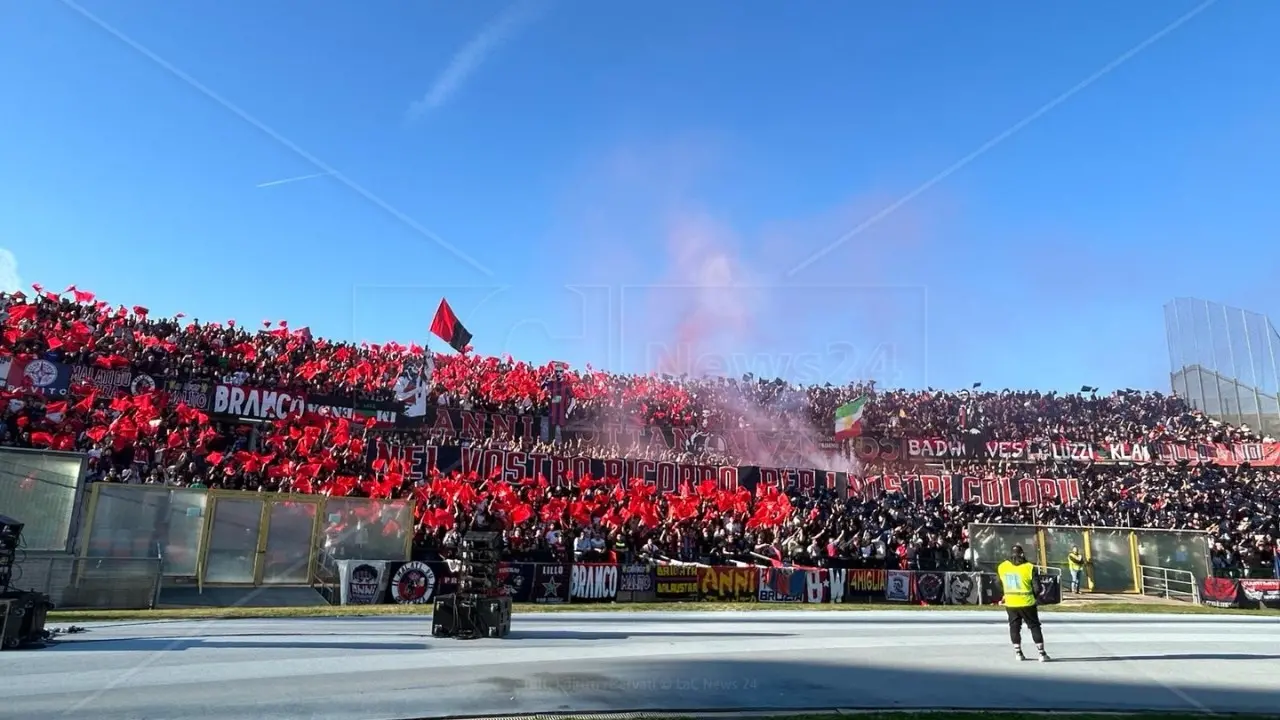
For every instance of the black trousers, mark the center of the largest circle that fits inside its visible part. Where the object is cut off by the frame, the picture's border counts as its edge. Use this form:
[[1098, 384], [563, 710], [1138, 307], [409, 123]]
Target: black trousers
[[1028, 615]]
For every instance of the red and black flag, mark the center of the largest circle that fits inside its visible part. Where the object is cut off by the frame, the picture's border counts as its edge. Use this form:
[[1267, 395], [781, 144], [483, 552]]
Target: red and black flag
[[446, 326]]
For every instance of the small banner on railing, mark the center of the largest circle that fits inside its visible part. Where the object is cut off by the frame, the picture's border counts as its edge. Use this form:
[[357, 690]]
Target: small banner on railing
[[1048, 589], [1220, 592], [898, 586], [1257, 594], [932, 587], [364, 582], [962, 588], [676, 582]]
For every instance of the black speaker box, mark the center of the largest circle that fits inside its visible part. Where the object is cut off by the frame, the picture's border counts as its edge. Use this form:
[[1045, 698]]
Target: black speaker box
[[24, 615], [444, 622], [470, 616], [8, 558], [494, 616], [476, 541]]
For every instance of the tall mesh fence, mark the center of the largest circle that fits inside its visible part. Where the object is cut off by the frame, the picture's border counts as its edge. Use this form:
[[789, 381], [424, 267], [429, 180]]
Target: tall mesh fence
[[181, 527], [41, 490], [1223, 362], [1114, 554], [132, 521]]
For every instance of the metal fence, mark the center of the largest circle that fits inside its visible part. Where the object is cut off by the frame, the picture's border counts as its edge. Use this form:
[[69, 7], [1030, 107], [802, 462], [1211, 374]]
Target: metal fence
[[221, 537], [1114, 556], [1223, 361], [1169, 584], [135, 521], [91, 583], [42, 489]]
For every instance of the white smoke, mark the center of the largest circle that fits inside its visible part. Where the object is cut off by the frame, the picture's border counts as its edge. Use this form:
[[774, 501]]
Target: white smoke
[[10, 281]]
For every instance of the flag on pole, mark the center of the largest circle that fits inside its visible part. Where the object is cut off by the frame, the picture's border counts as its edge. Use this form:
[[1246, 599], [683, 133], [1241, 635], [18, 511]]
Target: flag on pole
[[446, 326], [428, 366], [849, 418]]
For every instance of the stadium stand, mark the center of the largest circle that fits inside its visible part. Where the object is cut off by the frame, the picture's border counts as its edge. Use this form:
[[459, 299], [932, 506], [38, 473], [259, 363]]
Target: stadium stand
[[273, 408]]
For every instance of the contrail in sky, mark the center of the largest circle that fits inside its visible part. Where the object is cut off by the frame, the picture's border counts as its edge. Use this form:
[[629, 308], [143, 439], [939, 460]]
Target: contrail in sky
[[286, 181], [472, 55]]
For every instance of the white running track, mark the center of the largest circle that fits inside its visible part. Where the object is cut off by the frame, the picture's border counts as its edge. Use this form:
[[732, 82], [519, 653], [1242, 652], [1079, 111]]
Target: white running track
[[390, 668]]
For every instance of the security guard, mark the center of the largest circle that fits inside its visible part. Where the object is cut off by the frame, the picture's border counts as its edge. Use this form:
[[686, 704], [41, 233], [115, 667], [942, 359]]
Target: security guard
[[1018, 577], [1075, 565]]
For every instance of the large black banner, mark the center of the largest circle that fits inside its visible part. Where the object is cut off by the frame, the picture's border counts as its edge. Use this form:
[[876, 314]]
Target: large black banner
[[112, 380], [513, 466], [668, 477], [420, 583], [593, 582], [865, 586], [676, 582], [550, 583], [1255, 594], [357, 409], [636, 583], [778, 447], [196, 394], [256, 404], [1220, 592], [517, 580], [954, 489]]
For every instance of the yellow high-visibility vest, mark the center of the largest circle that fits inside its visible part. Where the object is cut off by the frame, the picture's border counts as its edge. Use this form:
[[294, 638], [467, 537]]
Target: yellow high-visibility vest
[[1019, 584]]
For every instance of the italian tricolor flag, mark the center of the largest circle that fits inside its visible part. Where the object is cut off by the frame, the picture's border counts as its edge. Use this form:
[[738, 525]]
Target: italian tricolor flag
[[849, 418]]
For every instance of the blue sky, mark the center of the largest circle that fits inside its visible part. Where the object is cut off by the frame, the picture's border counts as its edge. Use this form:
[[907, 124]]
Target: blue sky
[[642, 185]]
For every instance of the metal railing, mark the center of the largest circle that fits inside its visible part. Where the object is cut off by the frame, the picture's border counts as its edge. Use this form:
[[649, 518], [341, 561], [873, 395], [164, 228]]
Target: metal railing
[[1169, 583], [91, 583]]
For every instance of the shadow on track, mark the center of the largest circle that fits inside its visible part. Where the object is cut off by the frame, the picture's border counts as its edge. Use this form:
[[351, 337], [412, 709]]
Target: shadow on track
[[555, 681], [827, 617], [1173, 656], [180, 643], [583, 635]]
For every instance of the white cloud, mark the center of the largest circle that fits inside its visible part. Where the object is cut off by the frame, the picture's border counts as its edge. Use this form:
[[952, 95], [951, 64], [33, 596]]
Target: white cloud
[[10, 281], [472, 55]]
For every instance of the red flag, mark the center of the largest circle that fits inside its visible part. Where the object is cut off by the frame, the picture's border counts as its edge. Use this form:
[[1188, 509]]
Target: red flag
[[448, 328], [22, 312]]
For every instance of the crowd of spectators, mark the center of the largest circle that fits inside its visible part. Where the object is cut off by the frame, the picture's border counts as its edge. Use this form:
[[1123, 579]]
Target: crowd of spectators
[[132, 435]]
